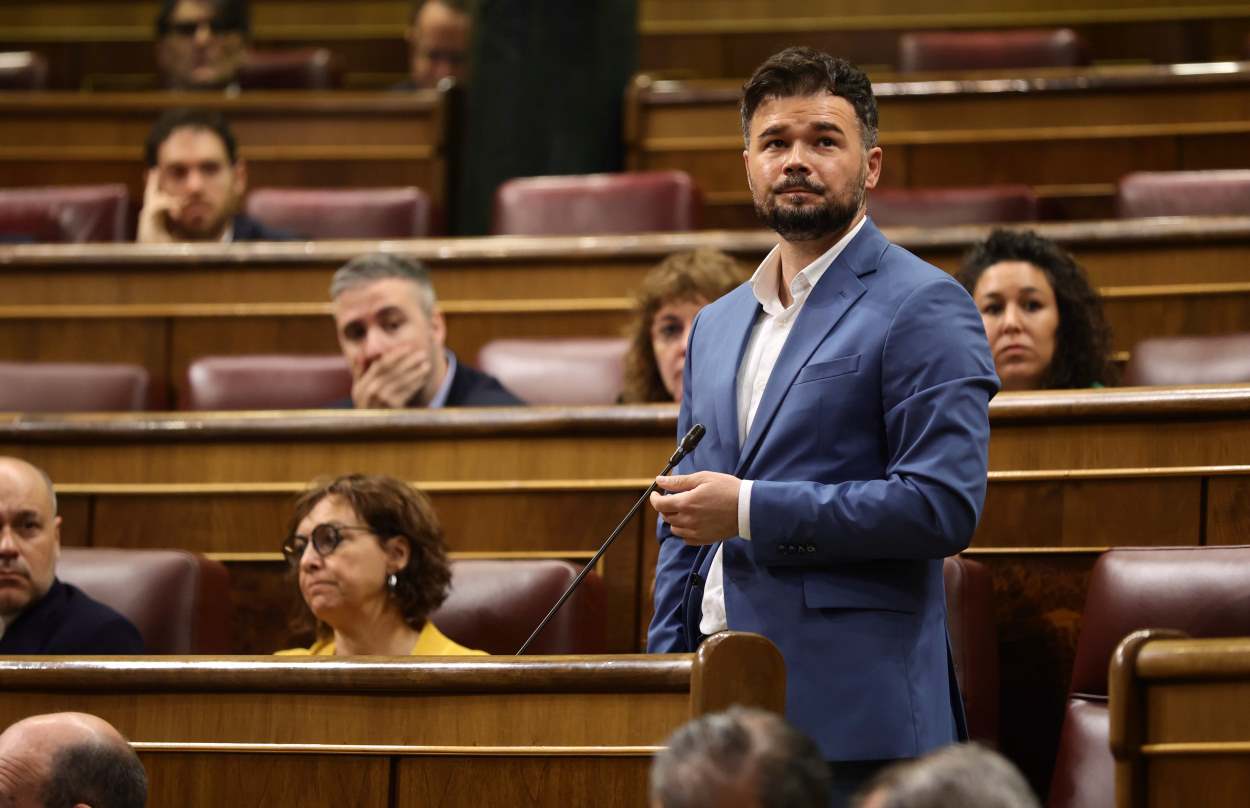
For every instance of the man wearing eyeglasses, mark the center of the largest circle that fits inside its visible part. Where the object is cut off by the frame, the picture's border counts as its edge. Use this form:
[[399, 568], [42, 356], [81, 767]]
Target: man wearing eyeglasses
[[200, 43]]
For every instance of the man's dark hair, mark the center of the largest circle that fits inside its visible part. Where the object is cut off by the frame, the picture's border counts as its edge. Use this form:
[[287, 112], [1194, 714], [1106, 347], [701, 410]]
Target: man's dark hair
[[102, 775], [1083, 340], [232, 14], [720, 754], [806, 71], [176, 119]]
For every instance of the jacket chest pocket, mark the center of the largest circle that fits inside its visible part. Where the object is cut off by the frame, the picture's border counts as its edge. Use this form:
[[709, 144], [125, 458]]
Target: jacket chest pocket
[[828, 370]]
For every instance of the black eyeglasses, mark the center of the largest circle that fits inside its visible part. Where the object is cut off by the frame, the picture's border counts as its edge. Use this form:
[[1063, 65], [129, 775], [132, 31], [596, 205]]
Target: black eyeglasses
[[325, 540], [189, 28]]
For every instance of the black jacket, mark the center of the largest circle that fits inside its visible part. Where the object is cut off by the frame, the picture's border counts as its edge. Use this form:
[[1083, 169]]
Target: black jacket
[[470, 387], [248, 229], [66, 621]]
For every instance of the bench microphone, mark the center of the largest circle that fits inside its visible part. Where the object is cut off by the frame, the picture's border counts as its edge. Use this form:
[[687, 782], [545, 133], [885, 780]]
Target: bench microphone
[[685, 447]]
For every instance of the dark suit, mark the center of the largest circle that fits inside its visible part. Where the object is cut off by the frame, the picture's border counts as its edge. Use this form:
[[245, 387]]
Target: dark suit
[[66, 621], [470, 387], [248, 229], [868, 453]]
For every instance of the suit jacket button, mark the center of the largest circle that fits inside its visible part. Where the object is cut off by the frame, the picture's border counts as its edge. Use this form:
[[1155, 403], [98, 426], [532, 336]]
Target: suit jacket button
[[811, 548]]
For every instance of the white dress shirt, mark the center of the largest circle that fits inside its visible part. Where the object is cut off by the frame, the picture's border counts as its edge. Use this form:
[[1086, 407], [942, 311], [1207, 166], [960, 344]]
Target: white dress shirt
[[768, 337]]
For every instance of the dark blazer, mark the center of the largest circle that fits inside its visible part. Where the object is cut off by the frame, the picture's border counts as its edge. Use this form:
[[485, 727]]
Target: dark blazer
[[869, 452], [66, 621], [248, 229], [470, 387]]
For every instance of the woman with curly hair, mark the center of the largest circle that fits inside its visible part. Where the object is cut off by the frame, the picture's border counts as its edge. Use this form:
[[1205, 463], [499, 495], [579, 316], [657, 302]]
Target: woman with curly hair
[[671, 295], [369, 557], [1043, 320]]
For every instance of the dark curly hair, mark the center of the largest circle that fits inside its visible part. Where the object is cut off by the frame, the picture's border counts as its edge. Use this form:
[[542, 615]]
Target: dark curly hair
[[703, 273], [807, 71], [390, 508], [1083, 340]]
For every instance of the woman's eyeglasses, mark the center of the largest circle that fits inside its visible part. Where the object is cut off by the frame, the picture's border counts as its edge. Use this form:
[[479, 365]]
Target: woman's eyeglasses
[[324, 539]]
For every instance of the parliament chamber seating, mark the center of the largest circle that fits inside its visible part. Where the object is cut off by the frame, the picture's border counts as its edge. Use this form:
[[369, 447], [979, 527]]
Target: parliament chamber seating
[[1201, 591], [179, 601], [65, 214], [72, 387], [943, 207], [970, 621], [1184, 193], [594, 204], [558, 371], [344, 213], [494, 606], [266, 382], [23, 70], [1174, 361], [294, 69], [931, 51]]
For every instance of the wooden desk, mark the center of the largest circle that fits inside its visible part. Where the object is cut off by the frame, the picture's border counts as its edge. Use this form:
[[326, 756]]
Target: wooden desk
[[288, 139], [394, 733], [1180, 720], [1070, 137]]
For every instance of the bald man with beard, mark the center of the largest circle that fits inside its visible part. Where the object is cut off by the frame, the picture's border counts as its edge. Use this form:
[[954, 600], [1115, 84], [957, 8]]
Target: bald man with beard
[[38, 613], [69, 759]]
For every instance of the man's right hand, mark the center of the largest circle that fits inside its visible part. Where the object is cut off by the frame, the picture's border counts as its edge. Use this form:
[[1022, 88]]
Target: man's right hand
[[393, 380], [158, 206]]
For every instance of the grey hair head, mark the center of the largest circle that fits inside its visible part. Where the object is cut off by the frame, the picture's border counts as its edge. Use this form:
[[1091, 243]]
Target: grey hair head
[[366, 269], [736, 753], [960, 774]]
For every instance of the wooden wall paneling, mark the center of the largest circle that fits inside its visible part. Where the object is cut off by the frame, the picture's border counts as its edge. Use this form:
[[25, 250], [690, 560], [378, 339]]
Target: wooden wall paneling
[[1138, 313], [1228, 510], [206, 779], [618, 781]]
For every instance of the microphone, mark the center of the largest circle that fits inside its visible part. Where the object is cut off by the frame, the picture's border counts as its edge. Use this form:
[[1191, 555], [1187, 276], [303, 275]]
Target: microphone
[[684, 447]]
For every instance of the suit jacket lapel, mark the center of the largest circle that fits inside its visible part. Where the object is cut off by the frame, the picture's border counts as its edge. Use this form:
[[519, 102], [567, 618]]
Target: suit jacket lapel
[[744, 308], [833, 295]]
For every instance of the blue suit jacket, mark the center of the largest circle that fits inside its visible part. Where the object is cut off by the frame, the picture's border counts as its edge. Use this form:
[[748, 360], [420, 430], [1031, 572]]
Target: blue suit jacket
[[869, 454]]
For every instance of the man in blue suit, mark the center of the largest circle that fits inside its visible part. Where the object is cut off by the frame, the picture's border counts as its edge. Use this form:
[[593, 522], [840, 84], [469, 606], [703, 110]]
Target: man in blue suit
[[845, 390]]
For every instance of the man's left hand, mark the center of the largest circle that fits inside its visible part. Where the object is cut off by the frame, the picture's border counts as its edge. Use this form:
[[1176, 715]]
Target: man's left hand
[[701, 508]]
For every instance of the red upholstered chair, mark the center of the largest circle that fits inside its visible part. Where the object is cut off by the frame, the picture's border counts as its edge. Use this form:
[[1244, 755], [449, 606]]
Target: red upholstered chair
[[72, 387], [65, 214], [495, 605], [266, 382], [941, 207], [592, 204], [1202, 591], [297, 69], [974, 643], [1184, 193], [1168, 361], [558, 371], [23, 70], [179, 601], [922, 51], [325, 213]]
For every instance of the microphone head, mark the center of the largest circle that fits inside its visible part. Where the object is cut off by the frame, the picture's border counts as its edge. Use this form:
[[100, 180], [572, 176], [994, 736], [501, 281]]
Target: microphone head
[[692, 439]]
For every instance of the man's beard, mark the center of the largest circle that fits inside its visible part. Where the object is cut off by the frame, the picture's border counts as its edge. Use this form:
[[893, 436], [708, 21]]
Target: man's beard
[[815, 221], [211, 230]]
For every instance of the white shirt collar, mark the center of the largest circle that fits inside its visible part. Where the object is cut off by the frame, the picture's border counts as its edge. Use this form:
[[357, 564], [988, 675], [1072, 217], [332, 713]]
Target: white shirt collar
[[764, 281], [440, 397]]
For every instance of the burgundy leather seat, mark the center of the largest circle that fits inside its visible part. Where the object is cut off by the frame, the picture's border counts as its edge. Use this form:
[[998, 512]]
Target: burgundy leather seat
[[1168, 361], [591, 204], [326, 213], [23, 70], [1202, 591], [558, 371], [72, 387], [179, 601], [266, 382], [922, 51], [65, 214], [943, 207], [296, 69], [970, 619], [494, 606], [1184, 193]]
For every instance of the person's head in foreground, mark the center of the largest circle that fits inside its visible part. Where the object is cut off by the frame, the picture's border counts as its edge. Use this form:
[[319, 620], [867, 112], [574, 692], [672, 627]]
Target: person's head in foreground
[[670, 296], [955, 776], [368, 554], [69, 760], [1044, 321], [809, 122], [200, 44], [438, 41], [195, 178], [742, 757]]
